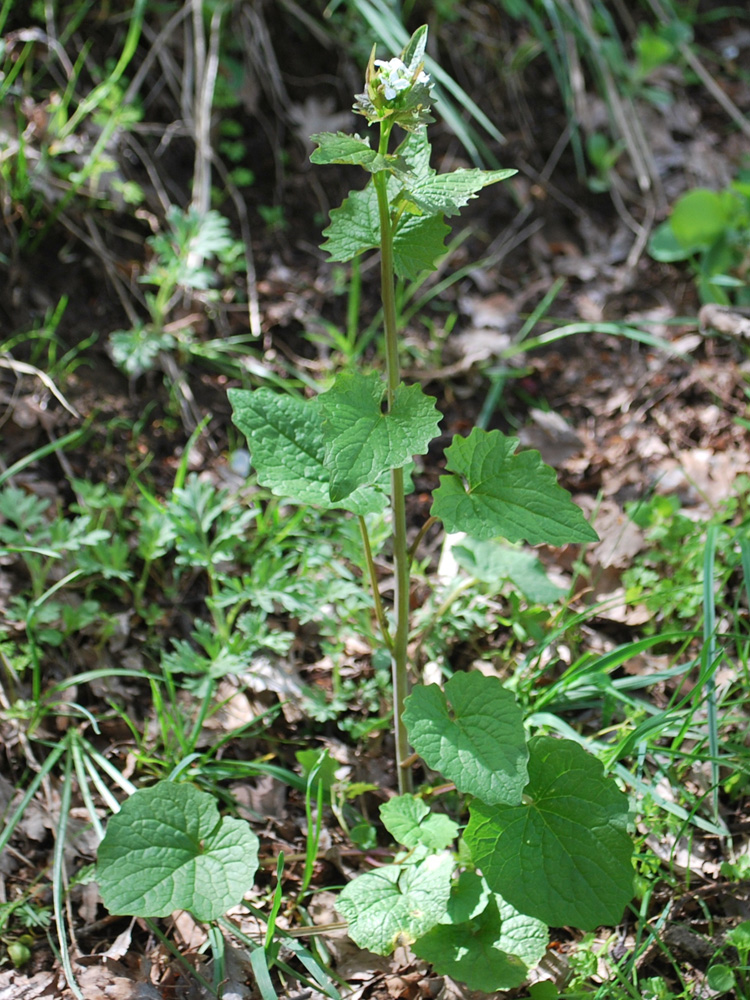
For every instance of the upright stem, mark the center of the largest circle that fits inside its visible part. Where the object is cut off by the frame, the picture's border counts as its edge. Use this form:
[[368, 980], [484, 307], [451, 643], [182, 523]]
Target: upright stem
[[398, 503]]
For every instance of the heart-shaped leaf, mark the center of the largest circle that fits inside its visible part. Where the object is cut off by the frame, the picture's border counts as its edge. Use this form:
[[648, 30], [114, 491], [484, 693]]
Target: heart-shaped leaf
[[168, 849], [472, 733], [396, 904], [563, 856]]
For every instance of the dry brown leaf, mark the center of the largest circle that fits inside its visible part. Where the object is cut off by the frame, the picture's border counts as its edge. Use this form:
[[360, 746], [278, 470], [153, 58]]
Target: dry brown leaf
[[43, 986], [551, 436], [620, 539]]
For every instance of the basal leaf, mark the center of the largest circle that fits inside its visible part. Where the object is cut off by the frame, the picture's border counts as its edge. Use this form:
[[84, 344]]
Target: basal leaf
[[410, 821], [168, 849], [472, 733], [446, 194], [362, 443], [494, 491], [340, 147], [396, 904], [563, 856], [287, 445], [491, 950]]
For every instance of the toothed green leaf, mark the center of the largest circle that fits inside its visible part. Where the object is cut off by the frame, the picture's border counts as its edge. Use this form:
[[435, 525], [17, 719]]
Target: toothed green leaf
[[168, 849], [362, 443], [494, 491], [340, 147], [447, 194], [564, 854], [287, 445], [418, 241]]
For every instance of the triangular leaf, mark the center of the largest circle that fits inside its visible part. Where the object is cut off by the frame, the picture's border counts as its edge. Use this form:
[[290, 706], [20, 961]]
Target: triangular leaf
[[472, 733], [494, 491], [563, 856], [286, 440], [396, 904], [410, 822], [362, 443], [340, 147], [168, 849], [355, 227], [446, 194], [417, 244]]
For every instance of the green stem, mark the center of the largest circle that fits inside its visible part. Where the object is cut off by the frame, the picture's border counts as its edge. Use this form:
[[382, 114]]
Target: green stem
[[401, 562], [422, 532], [379, 612]]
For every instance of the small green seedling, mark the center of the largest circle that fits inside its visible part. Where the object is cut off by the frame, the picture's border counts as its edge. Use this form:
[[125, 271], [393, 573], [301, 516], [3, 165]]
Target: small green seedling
[[710, 229]]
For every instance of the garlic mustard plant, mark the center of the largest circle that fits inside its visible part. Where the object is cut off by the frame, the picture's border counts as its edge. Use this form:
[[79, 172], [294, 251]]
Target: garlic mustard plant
[[547, 839]]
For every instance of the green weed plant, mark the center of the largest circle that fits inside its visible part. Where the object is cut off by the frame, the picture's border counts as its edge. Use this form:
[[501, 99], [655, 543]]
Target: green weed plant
[[709, 229], [547, 840]]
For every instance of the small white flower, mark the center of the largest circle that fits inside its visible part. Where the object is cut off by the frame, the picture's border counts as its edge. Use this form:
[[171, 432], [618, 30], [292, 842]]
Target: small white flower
[[396, 76]]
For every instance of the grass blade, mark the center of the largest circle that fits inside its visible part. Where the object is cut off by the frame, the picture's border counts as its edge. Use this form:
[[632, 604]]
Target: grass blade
[[709, 661]]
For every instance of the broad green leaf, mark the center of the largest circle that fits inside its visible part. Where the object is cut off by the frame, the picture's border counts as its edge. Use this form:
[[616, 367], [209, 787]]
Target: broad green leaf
[[340, 147], [417, 244], [492, 562], [362, 443], [472, 733], [355, 227], [699, 217], [396, 904], [410, 821], [168, 849], [664, 245], [446, 194], [287, 445], [494, 491], [564, 855], [491, 950]]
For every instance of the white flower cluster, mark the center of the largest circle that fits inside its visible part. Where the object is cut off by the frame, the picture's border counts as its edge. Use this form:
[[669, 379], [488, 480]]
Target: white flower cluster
[[396, 76]]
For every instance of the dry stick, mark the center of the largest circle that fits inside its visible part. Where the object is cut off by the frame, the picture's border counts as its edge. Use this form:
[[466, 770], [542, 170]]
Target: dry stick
[[22, 368], [206, 70], [153, 53], [251, 284], [626, 120]]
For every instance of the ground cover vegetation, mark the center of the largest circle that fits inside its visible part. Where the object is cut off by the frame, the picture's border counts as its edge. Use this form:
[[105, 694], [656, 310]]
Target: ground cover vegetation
[[374, 559]]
